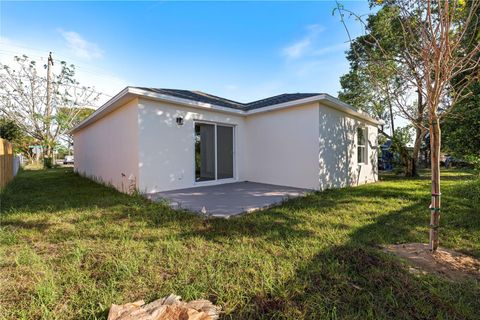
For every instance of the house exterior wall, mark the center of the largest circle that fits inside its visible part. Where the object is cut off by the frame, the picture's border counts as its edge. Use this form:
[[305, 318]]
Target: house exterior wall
[[166, 158], [311, 146], [282, 147], [337, 157], [107, 150]]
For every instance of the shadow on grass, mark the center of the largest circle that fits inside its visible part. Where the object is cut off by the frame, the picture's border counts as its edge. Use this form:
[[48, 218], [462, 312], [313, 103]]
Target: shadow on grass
[[55, 190], [358, 280], [44, 193], [40, 224], [447, 175]]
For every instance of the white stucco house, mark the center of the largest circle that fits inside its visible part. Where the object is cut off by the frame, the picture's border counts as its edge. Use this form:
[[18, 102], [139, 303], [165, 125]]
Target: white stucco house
[[164, 139]]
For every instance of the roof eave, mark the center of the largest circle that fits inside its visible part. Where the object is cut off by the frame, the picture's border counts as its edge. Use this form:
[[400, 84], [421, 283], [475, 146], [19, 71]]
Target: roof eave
[[342, 106]]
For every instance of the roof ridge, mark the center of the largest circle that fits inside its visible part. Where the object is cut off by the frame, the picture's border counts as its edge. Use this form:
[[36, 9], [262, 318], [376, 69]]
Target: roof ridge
[[217, 97], [268, 98], [198, 96], [281, 95], [201, 96]]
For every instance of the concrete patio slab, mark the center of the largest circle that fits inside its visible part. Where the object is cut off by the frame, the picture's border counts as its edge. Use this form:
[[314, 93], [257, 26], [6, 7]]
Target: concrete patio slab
[[229, 199]]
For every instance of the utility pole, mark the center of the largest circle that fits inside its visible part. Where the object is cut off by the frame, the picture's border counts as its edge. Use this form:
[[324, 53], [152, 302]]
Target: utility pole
[[48, 109]]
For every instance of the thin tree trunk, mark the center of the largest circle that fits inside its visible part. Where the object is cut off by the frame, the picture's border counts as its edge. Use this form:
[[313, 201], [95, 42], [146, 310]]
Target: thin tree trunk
[[31, 157], [407, 161], [409, 166], [391, 118], [419, 133], [435, 165], [410, 163], [48, 156]]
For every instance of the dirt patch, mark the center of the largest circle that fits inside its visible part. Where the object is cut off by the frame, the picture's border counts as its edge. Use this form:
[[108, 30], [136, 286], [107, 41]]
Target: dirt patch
[[449, 263]]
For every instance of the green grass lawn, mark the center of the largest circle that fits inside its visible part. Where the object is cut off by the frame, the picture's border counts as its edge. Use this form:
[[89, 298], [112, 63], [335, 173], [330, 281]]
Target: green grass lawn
[[70, 247]]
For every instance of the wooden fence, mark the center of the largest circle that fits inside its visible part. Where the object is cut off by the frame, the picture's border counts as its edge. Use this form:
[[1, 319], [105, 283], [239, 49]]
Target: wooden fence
[[6, 162]]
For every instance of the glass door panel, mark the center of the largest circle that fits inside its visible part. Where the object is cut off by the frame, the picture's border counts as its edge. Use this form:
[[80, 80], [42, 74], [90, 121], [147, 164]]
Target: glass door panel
[[224, 152], [204, 152]]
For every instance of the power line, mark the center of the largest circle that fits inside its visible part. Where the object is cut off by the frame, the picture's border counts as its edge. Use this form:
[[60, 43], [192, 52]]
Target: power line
[[57, 60], [88, 69]]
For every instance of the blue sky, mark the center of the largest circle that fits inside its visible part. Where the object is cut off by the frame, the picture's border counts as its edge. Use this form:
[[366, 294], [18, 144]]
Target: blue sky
[[240, 50]]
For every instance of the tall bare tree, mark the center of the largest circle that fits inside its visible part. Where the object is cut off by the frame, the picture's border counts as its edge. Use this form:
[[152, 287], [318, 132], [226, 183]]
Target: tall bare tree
[[44, 106], [442, 39]]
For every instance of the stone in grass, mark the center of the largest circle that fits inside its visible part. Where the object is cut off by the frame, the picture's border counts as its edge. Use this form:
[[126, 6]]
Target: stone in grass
[[168, 308]]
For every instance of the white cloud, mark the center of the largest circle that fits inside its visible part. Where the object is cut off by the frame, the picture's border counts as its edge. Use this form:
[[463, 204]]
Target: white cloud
[[297, 49], [311, 46], [231, 87], [333, 48], [305, 57], [303, 46], [309, 67], [81, 47]]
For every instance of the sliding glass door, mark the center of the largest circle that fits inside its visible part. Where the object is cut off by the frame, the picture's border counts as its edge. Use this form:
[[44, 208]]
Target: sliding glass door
[[224, 152], [204, 152], [213, 152]]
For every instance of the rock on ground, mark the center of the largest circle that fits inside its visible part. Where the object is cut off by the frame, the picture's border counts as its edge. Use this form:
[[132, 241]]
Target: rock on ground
[[168, 308]]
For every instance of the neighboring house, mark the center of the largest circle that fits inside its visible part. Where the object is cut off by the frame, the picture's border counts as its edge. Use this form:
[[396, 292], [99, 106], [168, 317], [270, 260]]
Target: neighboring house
[[164, 139]]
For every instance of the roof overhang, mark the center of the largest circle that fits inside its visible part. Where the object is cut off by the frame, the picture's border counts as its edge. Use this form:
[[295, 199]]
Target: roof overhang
[[130, 93]]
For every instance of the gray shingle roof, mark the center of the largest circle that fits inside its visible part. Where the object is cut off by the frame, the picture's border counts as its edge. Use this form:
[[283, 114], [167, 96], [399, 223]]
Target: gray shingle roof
[[219, 101], [281, 98]]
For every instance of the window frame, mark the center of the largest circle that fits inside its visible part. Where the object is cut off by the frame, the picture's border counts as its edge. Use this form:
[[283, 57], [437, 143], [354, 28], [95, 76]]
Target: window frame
[[362, 148]]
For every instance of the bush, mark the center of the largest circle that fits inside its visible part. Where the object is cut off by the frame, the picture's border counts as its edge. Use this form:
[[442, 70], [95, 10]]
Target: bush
[[48, 163], [474, 161]]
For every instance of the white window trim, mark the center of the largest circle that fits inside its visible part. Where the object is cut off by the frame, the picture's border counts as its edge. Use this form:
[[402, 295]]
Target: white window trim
[[365, 145], [216, 181]]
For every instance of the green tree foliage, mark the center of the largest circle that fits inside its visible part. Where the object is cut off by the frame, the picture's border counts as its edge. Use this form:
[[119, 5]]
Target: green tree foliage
[[22, 142], [461, 128], [9, 130], [383, 79], [401, 138], [439, 54], [374, 83]]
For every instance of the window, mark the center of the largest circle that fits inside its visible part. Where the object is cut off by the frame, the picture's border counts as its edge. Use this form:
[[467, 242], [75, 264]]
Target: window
[[361, 145]]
